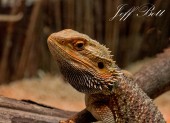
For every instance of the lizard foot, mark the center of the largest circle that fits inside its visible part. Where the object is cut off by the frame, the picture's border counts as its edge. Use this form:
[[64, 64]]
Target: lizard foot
[[67, 121]]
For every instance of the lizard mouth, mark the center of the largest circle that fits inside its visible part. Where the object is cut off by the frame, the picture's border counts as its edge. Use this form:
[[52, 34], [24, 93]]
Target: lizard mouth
[[56, 50]]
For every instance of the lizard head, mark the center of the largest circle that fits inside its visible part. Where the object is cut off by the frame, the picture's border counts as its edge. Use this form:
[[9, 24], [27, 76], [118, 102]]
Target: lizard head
[[84, 63]]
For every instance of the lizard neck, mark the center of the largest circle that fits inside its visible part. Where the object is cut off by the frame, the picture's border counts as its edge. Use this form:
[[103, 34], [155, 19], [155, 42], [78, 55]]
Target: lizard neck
[[127, 103]]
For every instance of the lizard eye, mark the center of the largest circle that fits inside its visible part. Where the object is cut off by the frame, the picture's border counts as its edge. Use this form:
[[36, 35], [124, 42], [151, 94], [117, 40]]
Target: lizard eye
[[100, 65], [79, 45]]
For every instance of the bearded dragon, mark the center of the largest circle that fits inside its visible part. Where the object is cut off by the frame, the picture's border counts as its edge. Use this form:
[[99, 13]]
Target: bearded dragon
[[111, 96]]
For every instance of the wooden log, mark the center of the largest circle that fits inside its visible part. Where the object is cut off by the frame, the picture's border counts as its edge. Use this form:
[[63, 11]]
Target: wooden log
[[154, 77], [15, 111]]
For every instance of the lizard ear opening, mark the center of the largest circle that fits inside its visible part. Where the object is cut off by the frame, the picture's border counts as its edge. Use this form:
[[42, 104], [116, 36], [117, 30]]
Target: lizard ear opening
[[100, 65]]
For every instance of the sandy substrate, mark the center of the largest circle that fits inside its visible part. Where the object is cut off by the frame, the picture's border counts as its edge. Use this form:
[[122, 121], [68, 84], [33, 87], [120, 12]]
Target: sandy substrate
[[48, 90], [53, 91]]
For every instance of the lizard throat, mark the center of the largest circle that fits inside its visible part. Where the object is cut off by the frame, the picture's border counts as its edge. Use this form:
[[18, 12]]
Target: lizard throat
[[86, 82]]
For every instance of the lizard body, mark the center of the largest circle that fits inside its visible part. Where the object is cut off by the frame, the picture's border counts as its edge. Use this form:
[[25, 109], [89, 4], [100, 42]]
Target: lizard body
[[111, 96]]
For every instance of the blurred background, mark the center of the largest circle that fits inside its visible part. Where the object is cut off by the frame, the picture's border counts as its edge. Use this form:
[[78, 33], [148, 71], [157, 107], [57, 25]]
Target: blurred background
[[27, 70]]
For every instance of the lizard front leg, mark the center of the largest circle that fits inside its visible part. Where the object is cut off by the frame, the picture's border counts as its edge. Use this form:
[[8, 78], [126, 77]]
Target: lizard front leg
[[82, 117], [102, 113]]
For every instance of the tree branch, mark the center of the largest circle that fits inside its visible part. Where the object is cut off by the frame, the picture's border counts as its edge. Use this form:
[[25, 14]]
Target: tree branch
[[154, 77]]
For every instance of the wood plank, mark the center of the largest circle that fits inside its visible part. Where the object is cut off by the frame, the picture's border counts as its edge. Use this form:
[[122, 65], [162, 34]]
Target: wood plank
[[29, 40], [79, 14], [99, 20], [88, 18]]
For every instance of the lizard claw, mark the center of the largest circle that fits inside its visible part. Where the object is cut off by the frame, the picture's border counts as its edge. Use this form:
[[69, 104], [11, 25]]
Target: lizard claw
[[67, 121]]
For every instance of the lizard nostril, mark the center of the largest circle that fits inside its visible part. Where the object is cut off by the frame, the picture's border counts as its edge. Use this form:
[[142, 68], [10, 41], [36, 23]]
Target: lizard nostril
[[100, 65]]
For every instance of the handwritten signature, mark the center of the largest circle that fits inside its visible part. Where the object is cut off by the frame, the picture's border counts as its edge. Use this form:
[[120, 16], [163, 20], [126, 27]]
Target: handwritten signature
[[139, 11]]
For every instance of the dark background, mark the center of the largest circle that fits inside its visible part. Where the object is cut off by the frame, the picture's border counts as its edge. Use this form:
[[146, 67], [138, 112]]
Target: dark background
[[27, 24]]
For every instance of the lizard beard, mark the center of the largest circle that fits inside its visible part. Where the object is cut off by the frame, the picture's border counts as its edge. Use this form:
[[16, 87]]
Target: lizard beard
[[81, 80]]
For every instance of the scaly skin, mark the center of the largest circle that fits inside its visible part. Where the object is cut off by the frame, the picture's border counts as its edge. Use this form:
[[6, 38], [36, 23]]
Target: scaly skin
[[110, 95]]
